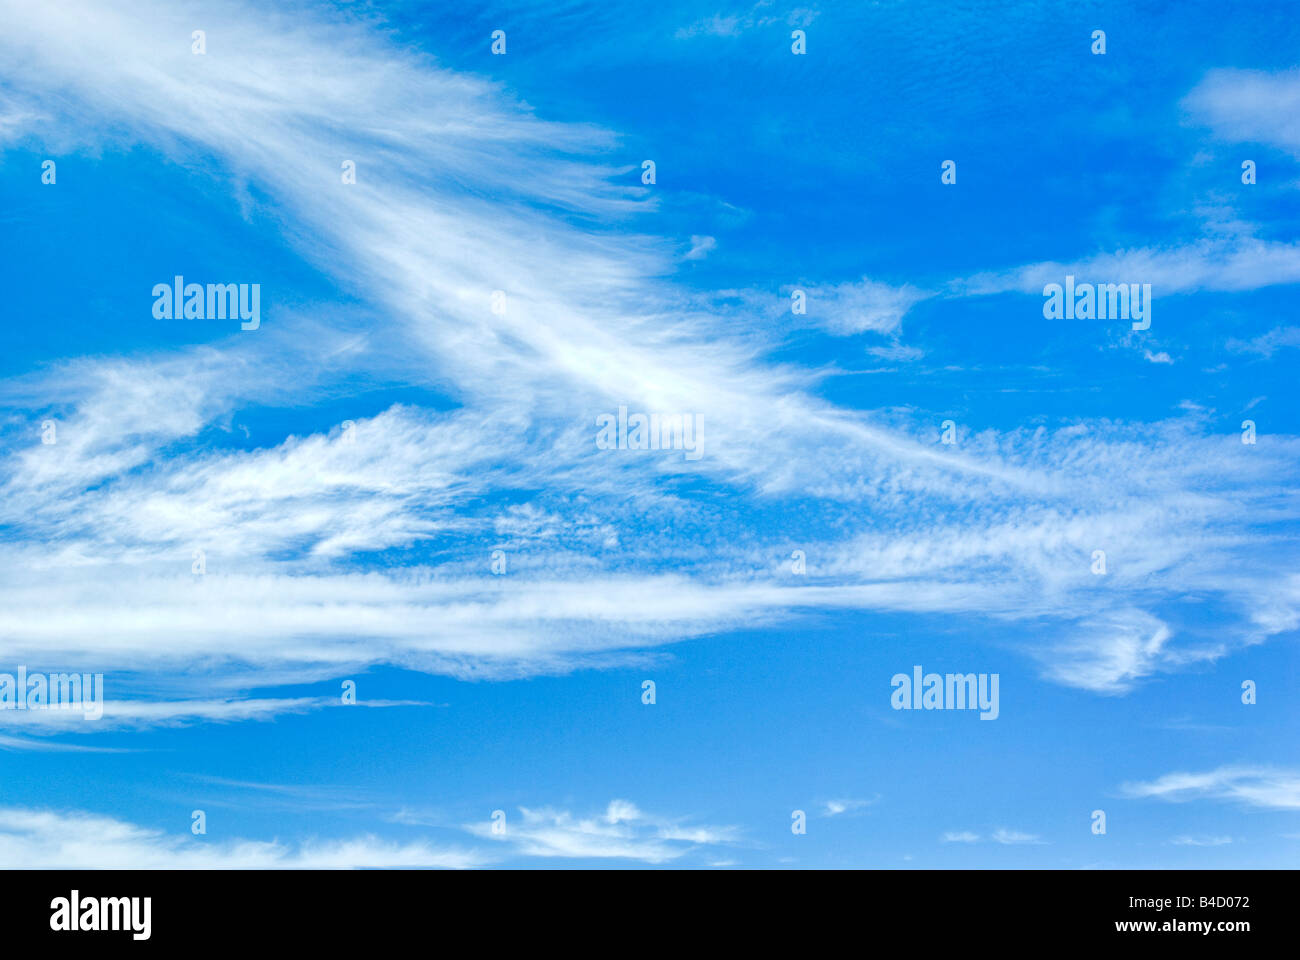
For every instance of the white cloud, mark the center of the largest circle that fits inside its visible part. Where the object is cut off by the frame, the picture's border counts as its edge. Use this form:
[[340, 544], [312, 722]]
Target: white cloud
[[621, 832], [897, 351], [1249, 106], [49, 746], [1108, 654], [103, 522], [761, 14], [1200, 841], [1252, 786], [866, 305], [833, 808], [1001, 835], [1226, 263], [139, 714], [1015, 837], [1267, 344], [45, 839], [701, 247]]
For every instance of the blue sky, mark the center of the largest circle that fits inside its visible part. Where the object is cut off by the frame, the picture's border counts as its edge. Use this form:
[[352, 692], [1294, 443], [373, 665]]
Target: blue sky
[[350, 468]]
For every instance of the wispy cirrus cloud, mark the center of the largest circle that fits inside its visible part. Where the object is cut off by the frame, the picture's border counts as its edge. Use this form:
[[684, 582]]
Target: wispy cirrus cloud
[[1222, 263], [1263, 787], [27, 744], [701, 247], [1000, 525], [623, 831], [1015, 837], [1002, 835], [834, 808], [47, 839], [142, 714]]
